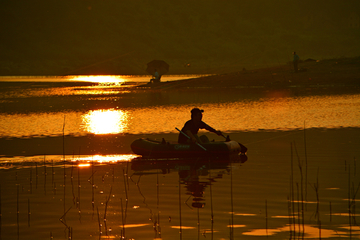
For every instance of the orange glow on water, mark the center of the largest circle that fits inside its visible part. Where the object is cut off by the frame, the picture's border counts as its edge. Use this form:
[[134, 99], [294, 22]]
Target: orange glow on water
[[86, 160], [98, 79], [309, 232], [135, 225], [266, 114], [84, 165], [105, 121], [182, 227]]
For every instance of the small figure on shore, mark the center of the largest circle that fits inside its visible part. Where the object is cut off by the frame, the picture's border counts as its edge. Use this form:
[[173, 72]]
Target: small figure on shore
[[296, 61], [192, 127], [156, 78]]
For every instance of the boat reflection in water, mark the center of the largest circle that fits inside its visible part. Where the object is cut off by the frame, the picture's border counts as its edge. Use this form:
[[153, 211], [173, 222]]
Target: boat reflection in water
[[190, 171]]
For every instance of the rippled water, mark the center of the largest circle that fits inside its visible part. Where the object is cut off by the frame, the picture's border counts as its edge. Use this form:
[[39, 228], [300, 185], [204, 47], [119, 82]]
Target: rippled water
[[127, 113], [300, 180]]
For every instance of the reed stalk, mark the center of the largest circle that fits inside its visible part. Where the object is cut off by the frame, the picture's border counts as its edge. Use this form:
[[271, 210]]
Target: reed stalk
[[300, 165], [98, 216], [17, 200], [354, 202], [72, 183], [64, 201], [230, 230], [266, 218], [122, 220], [298, 205], [30, 180], [29, 212], [158, 229], [292, 189], [79, 186], [126, 193], [349, 201], [317, 214], [0, 214], [352, 195], [63, 220], [70, 233], [45, 175], [106, 206], [306, 163], [290, 218], [36, 174], [63, 136], [232, 202], [211, 204], [52, 171], [92, 186], [52, 177], [180, 223]]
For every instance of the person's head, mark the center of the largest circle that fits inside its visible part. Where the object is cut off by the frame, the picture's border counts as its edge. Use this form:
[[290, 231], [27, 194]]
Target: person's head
[[294, 53], [196, 114]]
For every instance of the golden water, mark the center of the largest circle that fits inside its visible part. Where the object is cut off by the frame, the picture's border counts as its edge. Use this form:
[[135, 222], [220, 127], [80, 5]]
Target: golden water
[[300, 180], [270, 114]]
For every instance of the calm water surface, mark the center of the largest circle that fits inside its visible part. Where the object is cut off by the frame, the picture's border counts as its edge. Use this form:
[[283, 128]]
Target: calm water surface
[[287, 189], [287, 113], [37, 110]]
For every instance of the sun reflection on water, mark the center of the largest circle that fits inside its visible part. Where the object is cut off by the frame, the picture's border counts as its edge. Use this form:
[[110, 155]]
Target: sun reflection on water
[[85, 161], [267, 114], [103, 121], [99, 79]]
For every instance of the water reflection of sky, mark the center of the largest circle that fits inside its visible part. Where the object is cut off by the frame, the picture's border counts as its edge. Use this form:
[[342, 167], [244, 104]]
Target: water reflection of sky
[[95, 78], [77, 85], [264, 114]]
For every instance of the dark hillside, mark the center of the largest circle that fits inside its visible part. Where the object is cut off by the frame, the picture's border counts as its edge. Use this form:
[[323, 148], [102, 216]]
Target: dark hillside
[[50, 37]]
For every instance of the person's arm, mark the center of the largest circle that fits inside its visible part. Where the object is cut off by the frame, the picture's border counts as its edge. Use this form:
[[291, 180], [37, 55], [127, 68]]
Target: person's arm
[[192, 137], [210, 129]]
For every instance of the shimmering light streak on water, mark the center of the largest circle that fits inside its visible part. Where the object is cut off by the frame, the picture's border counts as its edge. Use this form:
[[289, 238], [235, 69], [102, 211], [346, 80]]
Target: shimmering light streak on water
[[64, 91], [105, 121], [98, 79], [265, 114], [310, 232], [106, 158], [95, 78], [83, 160]]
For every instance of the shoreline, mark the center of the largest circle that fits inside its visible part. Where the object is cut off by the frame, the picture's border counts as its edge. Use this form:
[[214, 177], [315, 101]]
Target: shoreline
[[328, 73], [342, 72]]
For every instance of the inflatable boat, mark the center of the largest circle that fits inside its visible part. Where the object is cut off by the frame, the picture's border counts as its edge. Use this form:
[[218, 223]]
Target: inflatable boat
[[149, 148]]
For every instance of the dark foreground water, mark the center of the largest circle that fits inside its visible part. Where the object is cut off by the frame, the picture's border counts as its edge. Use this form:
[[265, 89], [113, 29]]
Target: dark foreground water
[[300, 178]]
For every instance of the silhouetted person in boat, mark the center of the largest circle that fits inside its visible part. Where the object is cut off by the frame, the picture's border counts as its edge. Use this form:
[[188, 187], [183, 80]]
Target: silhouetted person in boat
[[192, 127], [296, 61]]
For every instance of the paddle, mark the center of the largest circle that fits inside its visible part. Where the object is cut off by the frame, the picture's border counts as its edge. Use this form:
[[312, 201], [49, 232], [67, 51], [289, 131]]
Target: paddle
[[189, 138]]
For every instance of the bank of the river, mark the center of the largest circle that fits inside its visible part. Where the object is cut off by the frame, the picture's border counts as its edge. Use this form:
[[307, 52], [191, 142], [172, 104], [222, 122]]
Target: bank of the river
[[341, 72]]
